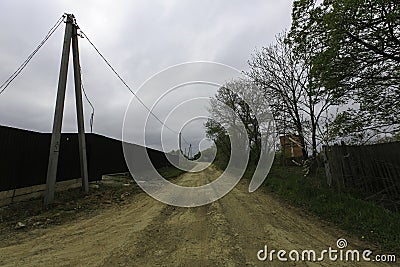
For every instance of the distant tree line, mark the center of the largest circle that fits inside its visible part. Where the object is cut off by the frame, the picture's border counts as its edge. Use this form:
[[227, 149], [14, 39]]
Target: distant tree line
[[334, 76]]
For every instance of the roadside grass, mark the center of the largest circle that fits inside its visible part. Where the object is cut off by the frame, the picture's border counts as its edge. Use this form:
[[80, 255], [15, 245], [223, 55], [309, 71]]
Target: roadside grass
[[170, 172], [359, 217]]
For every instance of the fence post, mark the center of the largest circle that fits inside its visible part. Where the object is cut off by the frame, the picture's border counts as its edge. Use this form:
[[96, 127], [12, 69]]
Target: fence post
[[328, 173]]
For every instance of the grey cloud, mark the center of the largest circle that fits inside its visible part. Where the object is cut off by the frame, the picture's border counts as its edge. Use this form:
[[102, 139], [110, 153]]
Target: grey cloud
[[140, 38]]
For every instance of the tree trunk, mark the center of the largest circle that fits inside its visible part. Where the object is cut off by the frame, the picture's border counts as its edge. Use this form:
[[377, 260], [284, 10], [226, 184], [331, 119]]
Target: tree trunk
[[313, 137], [302, 141]]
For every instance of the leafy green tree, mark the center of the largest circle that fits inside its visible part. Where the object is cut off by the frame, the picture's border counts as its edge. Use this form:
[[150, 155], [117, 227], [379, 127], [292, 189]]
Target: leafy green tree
[[354, 48], [231, 104], [219, 135]]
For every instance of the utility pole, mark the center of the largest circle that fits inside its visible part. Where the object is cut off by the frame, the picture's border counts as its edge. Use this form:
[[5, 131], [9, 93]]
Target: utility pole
[[79, 110], [70, 35], [180, 142]]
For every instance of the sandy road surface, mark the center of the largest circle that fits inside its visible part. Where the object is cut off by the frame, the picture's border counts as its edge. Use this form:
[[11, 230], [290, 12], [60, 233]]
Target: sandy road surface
[[145, 232]]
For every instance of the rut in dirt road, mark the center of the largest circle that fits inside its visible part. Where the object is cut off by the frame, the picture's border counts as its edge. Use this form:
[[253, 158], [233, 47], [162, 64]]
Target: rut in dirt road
[[145, 232], [230, 231]]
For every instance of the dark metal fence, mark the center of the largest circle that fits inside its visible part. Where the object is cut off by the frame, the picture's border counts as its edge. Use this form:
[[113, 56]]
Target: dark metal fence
[[372, 171], [24, 157]]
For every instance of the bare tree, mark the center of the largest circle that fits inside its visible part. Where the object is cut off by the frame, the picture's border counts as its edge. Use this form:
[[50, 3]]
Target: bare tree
[[296, 101]]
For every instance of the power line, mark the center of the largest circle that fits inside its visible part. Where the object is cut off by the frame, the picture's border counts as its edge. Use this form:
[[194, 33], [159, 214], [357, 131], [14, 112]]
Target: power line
[[14, 75], [127, 86], [7, 82], [185, 140], [90, 103]]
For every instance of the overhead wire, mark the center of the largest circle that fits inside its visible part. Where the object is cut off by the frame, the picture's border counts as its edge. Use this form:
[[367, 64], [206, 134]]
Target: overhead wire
[[7, 82], [15, 74], [90, 103], [127, 86], [18, 71]]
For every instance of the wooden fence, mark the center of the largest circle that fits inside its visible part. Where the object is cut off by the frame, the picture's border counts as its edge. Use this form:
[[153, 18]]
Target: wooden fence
[[370, 171]]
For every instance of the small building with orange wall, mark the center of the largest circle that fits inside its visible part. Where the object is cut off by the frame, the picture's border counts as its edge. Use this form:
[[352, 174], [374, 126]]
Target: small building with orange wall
[[290, 146]]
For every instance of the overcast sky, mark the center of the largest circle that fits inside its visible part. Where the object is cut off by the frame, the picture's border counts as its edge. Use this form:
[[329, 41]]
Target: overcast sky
[[140, 38]]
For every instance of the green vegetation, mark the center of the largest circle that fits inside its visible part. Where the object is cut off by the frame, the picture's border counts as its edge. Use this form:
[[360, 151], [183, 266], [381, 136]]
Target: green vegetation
[[362, 218], [170, 172], [352, 49], [333, 77]]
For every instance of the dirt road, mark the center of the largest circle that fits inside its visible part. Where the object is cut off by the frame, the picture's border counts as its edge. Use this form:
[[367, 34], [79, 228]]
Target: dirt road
[[145, 232]]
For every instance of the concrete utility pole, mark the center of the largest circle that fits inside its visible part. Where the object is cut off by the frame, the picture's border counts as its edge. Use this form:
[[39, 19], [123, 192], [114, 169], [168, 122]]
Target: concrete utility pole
[[70, 35], [180, 142], [79, 110]]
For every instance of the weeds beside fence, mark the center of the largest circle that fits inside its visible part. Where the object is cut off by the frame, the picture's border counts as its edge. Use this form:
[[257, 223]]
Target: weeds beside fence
[[364, 219], [370, 171]]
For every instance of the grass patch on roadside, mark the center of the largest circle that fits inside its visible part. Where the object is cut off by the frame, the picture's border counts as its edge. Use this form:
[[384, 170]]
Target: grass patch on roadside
[[362, 218], [170, 172]]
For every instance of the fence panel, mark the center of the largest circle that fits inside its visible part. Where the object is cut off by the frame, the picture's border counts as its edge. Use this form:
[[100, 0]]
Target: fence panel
[[372, 171], [24, 157]]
